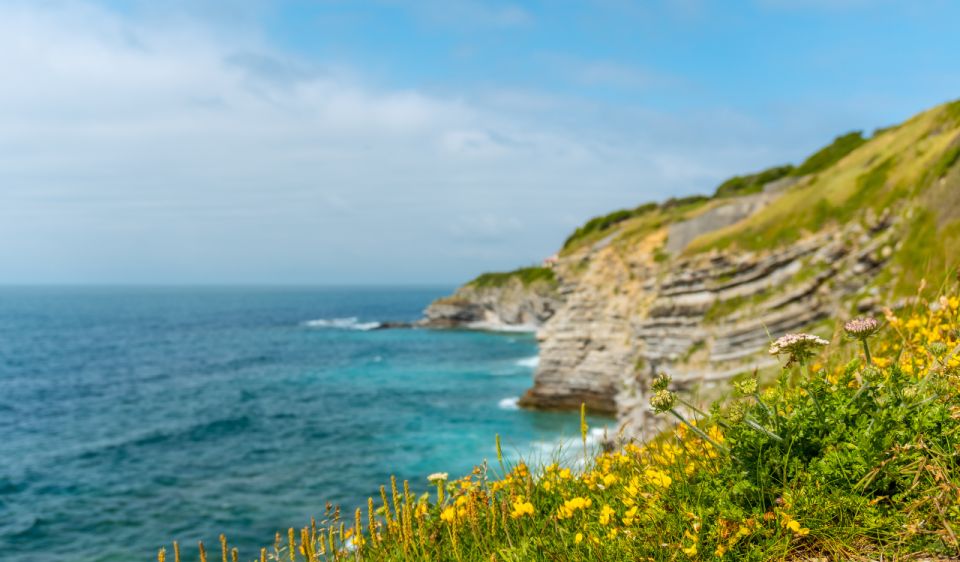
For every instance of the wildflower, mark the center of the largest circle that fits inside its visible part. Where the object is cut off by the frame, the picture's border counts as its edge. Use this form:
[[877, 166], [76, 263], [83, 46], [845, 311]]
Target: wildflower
[[691, 550], [448, 514], [861, 328], [798, 347], [662, 401], [605, 513], [793, 525], [662, 382], [746, 387], [437, 477], [521, 508], [657, 478], [570, 506], [578, 538]]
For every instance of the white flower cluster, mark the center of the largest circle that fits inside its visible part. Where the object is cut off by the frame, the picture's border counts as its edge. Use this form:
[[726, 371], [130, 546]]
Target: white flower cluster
[[861, 328], [796, 345], [438, 477]]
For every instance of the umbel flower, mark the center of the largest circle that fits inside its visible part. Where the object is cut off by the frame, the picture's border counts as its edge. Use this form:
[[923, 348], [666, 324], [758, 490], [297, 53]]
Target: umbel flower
[[438, 477], [662, 382], [662, 400], [861, 329], [798, 347]]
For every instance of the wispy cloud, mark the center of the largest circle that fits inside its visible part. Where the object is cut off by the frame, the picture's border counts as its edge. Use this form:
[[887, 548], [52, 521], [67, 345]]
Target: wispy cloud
[[154, 150]]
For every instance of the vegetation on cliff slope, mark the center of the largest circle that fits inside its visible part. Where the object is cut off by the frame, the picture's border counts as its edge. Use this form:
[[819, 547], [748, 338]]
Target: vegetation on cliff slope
[[752, 183], [830, 154], [853, 453], [909, 171], [647, 217], [526, 275]]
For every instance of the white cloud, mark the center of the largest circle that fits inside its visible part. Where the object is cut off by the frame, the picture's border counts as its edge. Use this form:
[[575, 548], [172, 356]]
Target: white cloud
[[165, 150]]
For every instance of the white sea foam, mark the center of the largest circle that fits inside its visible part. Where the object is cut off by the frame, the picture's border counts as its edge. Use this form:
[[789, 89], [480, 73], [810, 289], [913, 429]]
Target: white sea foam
[[529, 362], [500, 327], [351, 323], [509, 403]]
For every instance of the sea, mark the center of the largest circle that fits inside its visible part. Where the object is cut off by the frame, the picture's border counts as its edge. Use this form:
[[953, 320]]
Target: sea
[[134, 416]]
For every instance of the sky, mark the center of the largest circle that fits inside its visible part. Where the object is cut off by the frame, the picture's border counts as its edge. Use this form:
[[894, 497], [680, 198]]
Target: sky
[[412, 142]]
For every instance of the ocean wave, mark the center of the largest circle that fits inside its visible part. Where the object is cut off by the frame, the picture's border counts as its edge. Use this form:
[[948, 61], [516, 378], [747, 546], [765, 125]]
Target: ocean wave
[[529, 362], [349, 323], [500, 327], [509, 403]]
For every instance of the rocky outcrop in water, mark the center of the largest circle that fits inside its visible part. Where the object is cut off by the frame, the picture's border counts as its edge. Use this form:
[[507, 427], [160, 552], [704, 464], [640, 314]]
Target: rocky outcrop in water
[[510, 304]]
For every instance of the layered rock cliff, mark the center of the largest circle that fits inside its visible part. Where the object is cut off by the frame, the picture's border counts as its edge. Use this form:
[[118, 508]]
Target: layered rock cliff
[[519, 300], [699, 286]]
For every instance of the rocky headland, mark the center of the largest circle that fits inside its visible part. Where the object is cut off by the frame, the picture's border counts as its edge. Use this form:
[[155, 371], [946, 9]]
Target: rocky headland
[[699, 286]]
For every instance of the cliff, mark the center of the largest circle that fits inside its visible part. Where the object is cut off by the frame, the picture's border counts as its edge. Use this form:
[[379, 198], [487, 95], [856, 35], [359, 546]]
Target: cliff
[[518, 300], [698, 286]]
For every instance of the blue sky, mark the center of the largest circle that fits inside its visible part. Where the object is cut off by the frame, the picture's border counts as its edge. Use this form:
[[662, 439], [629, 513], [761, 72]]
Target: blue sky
[[336, 142]]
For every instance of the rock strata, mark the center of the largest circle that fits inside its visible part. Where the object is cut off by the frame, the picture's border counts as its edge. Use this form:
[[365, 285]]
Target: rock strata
[[511, 305]]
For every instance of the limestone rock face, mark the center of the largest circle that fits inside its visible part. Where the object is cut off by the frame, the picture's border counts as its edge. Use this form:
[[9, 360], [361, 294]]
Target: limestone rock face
[[703, 319], [512, 305]]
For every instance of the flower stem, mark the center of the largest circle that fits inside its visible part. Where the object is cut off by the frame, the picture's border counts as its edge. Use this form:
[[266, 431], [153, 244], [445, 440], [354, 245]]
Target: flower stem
[[762, 429], [866, 352], [701, 412], [698, 431]]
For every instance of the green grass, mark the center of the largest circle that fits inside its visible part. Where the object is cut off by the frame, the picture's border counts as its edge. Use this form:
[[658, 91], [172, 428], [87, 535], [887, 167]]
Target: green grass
[[830, 154], [752, 183], [526, 275], [606, 222]]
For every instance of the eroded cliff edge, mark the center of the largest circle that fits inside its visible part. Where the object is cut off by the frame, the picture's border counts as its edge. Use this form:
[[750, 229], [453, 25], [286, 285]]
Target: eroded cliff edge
[[698, 286], [523, 299]]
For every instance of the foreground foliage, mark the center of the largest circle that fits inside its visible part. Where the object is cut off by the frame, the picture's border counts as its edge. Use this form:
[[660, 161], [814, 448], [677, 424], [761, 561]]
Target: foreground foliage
[[852, 453]]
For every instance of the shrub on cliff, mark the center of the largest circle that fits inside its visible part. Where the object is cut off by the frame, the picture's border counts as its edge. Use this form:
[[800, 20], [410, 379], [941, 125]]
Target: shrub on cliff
[[526, 275], [752, 183], [847, 455], [830, 154]]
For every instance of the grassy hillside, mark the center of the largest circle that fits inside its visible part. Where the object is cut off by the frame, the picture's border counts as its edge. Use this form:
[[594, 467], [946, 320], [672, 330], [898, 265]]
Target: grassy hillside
[[909, 170], [852, 453]]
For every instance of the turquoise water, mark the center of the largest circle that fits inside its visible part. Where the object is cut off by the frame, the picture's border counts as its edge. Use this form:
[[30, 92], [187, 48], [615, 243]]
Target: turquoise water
[[130, 417]]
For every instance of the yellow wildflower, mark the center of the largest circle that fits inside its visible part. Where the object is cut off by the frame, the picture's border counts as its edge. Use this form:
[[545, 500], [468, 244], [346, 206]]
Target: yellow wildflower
[[448, 514], [521, 508], [657, 478], [605, 513], [578, 538]]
